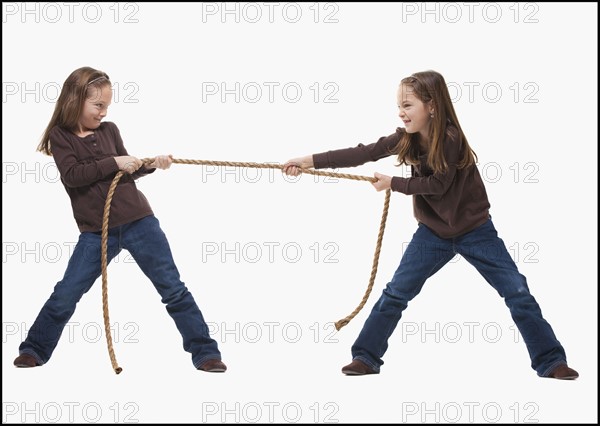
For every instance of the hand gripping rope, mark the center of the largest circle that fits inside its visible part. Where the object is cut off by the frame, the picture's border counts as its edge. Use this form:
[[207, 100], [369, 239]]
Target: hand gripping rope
[[338, 325]]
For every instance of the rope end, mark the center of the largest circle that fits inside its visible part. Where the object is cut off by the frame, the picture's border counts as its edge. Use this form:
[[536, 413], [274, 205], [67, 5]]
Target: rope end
[[118, 370], [341, 323]]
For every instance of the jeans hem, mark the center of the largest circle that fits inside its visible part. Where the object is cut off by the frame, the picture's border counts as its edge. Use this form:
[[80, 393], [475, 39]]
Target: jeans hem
[[33, 354], [204, 359], [550, 369], [369, 363]]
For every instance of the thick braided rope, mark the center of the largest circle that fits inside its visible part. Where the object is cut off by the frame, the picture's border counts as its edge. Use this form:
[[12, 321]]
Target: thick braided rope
[[386, 205], [272, 166], [104, 242], [104, 264]]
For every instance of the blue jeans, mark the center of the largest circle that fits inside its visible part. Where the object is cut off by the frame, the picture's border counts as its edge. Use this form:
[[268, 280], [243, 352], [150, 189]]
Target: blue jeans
[[149, 247], [425, 255]]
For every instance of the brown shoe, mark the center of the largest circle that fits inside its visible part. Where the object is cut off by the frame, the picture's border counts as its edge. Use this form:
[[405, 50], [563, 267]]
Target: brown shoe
[[25, 361], [213, 366], [358, 368], [563, 372]]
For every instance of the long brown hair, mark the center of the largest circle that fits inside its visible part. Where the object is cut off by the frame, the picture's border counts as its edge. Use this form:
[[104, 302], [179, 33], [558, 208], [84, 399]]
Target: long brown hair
[[430, 86], [71, 100]]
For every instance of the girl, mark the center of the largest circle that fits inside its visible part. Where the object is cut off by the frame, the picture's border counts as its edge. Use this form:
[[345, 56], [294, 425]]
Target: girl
[[88, 154], [452, 209]]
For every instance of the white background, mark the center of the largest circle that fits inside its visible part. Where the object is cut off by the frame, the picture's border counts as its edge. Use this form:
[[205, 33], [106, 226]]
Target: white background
[[530, 115]]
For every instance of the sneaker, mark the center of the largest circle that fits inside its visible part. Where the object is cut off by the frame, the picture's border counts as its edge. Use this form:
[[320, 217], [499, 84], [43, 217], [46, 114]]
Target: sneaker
[[563, 372], [25, 361], [358, 368], [213, 366]]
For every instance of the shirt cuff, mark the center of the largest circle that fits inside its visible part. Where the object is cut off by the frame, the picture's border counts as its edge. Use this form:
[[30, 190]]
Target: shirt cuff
[[321, 161], [108, 166], [399, 184]]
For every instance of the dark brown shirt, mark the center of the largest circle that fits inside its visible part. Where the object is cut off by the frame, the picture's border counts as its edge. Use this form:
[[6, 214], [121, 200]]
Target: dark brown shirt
[[450, 204], [87, 168]]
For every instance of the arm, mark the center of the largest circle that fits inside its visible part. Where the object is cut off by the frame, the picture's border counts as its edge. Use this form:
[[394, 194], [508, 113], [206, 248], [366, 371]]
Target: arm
[[361, 154], [346, 157], [437, 183], [76, 172]]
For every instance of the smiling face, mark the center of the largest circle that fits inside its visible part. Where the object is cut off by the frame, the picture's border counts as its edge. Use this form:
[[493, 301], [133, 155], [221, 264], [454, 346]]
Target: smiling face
[[95, 107], [415, 114]]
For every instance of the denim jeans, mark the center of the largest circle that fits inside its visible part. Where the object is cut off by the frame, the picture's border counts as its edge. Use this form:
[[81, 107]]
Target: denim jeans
[[149, 247], [425, 255]]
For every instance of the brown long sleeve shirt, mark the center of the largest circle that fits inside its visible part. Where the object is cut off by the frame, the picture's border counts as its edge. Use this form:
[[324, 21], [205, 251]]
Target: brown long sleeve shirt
[[87, 168], [450, 204]]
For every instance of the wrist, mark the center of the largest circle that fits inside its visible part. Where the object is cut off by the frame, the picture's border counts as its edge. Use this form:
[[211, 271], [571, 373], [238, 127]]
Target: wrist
[[309, 163]]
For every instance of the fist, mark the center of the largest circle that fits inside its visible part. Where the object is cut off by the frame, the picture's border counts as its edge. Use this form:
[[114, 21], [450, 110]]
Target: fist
[[383, 182], [162, 162]]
